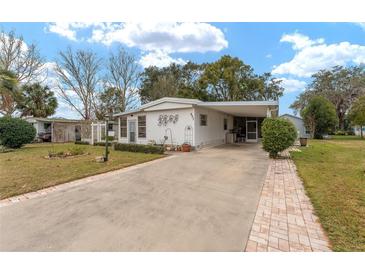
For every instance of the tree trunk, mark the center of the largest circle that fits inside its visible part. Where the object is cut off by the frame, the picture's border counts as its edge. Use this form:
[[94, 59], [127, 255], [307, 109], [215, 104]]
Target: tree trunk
[[341, 121], [361, 134]]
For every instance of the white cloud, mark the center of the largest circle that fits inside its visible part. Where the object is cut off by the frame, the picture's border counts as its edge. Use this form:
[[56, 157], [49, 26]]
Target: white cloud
[[62, 29], [292, 85], [168, 37], [69, 30], [314, 55], [156, 40], [159, 59], [300, 41], [268, 55]]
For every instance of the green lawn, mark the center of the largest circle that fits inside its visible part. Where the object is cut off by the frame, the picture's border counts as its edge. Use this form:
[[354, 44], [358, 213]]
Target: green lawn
[[333, 172], [26, 169], [344, 137]]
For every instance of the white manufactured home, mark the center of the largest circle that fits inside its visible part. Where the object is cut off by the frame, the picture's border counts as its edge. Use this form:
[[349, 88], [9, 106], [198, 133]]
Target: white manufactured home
[[177, 121]]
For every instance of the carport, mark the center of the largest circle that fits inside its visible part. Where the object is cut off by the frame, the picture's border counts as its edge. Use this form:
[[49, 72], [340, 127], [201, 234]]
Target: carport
[[247, 117]]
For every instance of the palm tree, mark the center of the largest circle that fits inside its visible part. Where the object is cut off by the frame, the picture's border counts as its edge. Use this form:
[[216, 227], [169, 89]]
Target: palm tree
[[9, 92], [37, 101]]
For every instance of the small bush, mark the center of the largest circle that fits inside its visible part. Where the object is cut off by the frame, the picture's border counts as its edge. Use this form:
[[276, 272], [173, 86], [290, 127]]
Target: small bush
[[277, 135], [340, 133], [82, 143], [72, 151], [139, 148], [76, 150], [15, 132], [102, 144]]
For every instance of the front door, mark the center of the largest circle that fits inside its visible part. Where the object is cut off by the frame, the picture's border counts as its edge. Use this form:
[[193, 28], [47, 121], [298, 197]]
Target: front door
[[132, 131], [251, 130]]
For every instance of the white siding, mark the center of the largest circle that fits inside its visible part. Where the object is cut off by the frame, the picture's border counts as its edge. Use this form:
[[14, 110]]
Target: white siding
[[213, 133], [299, 124], [156, 133]]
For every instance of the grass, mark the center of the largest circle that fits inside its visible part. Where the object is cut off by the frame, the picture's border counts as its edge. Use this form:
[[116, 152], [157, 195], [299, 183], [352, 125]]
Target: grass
[[26, 169], [346, 137], [333, 172]]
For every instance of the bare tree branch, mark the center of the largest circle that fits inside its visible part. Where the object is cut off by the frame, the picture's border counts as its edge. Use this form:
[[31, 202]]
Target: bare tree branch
[[124, 75], [24, 60], [78, 74]]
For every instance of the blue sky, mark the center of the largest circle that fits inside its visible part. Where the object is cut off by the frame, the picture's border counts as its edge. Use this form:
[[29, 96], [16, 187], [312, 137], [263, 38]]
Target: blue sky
[[291, 51]]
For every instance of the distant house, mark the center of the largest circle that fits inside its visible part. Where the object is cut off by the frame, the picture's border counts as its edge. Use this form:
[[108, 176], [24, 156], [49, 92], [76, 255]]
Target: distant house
[[357, 130], [299, 124], [60, 130]]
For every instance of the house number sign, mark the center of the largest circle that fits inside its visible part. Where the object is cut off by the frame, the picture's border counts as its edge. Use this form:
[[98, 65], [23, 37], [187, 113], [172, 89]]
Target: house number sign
[[164, 119]]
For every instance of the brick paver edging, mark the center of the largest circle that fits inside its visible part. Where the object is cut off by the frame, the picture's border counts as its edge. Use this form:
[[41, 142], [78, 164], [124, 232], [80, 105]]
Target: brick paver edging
[[285, 219], [65, 186]]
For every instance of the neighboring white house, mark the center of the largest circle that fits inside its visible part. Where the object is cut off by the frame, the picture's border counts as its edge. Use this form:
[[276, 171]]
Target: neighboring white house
[[299, 124], [357, 130], [60, 129], [176, 121]]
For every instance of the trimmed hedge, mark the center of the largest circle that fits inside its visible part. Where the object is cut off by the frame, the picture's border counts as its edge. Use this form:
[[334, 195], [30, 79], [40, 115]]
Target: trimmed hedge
[[15, 132], [277, 135], [102, 144], [82, 143], [140, 148]]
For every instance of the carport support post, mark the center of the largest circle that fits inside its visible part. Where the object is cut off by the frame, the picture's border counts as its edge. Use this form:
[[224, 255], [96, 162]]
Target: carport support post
[[106, 140]]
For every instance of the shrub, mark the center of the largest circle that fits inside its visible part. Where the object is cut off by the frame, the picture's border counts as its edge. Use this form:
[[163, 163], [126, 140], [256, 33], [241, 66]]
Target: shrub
[[77, 150], [15, 132], [82, 143], [72, 151], [340, 132], [102, 144], [277, 135], [140, 148]]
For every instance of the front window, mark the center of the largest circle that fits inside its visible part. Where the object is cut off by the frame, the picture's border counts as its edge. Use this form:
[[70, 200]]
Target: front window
[[225, 124], [123, 127], [141, 126], [203, 119]]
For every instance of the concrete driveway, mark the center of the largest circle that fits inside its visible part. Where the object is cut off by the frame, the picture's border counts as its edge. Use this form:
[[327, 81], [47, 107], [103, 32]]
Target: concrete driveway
[[200, 201]]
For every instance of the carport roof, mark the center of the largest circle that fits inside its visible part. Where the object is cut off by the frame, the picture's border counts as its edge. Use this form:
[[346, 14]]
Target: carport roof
[[243, 108]]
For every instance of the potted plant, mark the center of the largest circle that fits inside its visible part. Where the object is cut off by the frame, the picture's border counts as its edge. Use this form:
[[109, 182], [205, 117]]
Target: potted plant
[[186, 147], [303, 141]]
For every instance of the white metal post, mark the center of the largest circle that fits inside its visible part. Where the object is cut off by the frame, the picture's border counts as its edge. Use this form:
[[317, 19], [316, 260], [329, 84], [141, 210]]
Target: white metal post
[[92, 134]]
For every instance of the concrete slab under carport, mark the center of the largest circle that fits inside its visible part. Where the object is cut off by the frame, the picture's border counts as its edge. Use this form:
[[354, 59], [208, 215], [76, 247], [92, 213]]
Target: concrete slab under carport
[[200, 201]]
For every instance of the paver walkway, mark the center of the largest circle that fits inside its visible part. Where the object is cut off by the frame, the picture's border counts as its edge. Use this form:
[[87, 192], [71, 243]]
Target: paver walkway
[[285, 220]]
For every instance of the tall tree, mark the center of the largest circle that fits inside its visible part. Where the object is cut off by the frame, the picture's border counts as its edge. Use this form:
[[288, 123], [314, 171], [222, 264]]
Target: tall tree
[[37, 101], [79, 80], [23, 60], [230, 79], [172, 81], [357, 114], [9, 92], [340, 85], [319, 116], [107, 102], [227, 79], [124, 75]]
